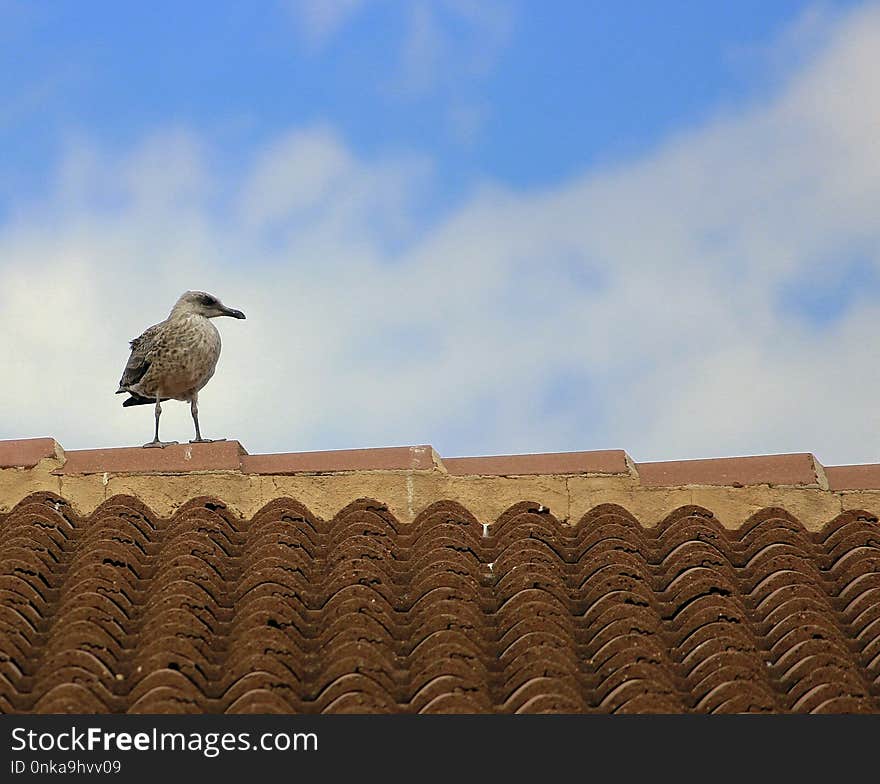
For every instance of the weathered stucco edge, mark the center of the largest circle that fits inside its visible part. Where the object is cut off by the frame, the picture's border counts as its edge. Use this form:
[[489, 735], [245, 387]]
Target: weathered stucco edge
[[407, 493]]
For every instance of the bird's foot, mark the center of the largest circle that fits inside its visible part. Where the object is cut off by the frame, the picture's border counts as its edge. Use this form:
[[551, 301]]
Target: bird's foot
[[160, 444], [206, 440]]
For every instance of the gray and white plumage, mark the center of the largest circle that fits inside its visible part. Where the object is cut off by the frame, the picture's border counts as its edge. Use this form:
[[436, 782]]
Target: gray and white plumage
[[174, 359]]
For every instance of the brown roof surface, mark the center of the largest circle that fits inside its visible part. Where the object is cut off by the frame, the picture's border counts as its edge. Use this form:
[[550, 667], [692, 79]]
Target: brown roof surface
[[217, 456], [796, 470], [25, 452], [608, 461], [403, 458], [122, 610], [853, 477]]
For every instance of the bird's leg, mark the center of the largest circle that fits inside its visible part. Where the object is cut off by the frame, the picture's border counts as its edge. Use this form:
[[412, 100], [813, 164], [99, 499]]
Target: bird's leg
[[194, 409], [156, 441]]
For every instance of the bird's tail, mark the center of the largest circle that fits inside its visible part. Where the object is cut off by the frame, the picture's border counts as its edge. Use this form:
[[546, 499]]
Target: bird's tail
[[137, 400]]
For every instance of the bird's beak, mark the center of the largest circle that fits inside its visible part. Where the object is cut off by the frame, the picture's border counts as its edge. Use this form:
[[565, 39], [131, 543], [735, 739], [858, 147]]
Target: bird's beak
[[232, 312]]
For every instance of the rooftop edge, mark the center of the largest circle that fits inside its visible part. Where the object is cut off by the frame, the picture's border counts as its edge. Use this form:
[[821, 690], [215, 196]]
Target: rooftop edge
[[787, 470]]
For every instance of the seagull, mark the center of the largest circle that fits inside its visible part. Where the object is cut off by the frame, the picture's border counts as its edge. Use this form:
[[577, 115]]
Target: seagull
[[174, 359]]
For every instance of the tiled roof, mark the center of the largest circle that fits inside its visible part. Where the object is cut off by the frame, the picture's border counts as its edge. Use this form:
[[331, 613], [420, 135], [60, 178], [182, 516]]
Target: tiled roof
[[123, 611], [764, 598]]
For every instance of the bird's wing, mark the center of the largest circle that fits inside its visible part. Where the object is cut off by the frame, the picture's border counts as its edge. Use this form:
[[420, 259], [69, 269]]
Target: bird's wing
[[139, 360]]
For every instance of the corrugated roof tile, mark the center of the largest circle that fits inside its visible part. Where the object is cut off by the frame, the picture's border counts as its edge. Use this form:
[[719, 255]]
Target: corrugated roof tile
[[124, 611]]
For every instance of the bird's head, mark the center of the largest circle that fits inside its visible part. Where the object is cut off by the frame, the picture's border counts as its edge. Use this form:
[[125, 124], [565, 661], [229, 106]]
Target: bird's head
[[203, 304]]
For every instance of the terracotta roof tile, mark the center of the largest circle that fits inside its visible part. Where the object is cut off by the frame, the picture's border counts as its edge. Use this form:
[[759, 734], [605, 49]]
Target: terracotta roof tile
[[404, 458], [122, 610], [608, 461], [794, 469], [216, 456], [27, 452], [853, 477]]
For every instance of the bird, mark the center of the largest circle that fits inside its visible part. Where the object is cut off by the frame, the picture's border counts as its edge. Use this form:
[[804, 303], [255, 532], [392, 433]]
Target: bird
[[174, 359]]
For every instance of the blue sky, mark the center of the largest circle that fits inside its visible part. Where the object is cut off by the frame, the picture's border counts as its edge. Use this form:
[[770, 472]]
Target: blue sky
[[525, 93], [489, 226]]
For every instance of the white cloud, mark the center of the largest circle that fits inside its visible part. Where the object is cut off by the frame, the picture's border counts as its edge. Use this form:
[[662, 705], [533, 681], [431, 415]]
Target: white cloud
[[294, 174], [652, 287]]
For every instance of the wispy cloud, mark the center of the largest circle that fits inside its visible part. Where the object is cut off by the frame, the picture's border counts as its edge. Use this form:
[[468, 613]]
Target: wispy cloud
[[441, 41], [643, 306], [449, 41], [320, 20], [797, 44], [466, 122]]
